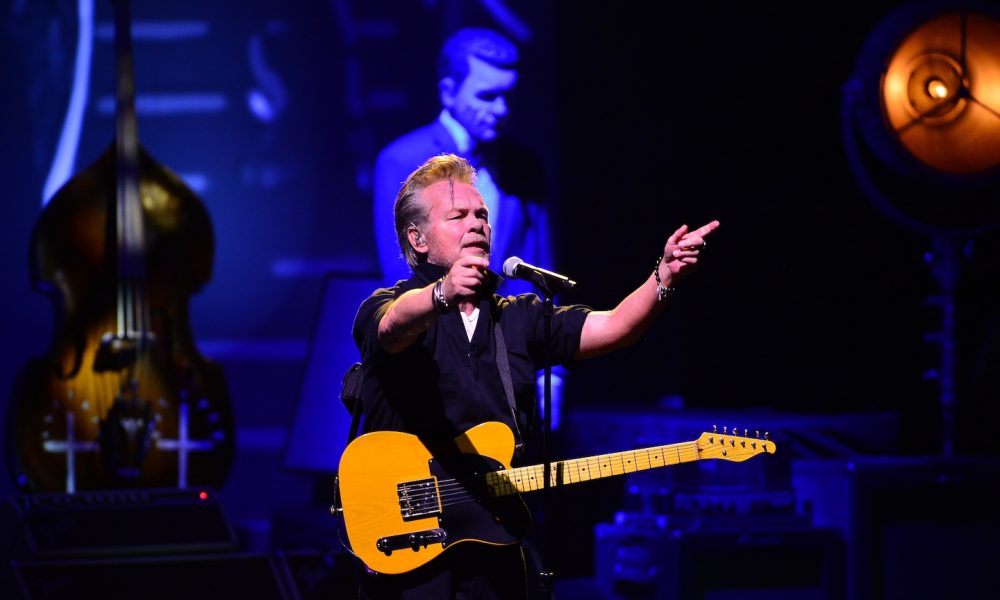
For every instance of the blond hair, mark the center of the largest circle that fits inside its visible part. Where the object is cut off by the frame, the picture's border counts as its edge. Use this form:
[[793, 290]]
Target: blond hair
[[409, 210]]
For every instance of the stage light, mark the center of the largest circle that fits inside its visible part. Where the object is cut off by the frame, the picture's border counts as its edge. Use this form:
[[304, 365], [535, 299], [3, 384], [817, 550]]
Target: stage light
[[921, 125], [941, 93], [925, 99]]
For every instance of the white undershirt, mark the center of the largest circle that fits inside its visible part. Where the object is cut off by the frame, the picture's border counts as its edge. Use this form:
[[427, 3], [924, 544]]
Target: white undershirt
[[470, 321]]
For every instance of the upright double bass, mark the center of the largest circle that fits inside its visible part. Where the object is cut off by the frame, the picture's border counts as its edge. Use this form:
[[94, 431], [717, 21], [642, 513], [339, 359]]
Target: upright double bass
[[123, 399]]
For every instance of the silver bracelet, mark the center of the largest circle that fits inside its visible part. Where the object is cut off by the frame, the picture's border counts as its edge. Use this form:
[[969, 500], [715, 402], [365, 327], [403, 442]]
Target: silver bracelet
[[662, 293], [438, 299]]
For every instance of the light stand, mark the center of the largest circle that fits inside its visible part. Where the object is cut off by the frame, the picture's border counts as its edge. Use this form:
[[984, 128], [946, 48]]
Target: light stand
[[925, 96], [945, 262]]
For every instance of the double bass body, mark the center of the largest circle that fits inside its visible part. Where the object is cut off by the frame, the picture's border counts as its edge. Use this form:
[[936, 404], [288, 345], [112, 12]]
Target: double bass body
[[123, 398]]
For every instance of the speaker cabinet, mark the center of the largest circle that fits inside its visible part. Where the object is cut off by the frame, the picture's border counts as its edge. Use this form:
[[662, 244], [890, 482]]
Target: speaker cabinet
[[118, 522], [142, 543], [191, 577], [916, 527], [661, 563]]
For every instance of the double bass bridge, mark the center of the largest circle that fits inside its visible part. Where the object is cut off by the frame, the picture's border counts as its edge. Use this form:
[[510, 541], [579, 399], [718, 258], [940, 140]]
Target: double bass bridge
[[118, 351]]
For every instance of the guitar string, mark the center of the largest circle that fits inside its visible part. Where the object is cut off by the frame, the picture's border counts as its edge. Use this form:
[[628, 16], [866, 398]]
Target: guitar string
[[446, 491], [456, 496], [447, 494], [592, 463], [508, 476], [131, 227]]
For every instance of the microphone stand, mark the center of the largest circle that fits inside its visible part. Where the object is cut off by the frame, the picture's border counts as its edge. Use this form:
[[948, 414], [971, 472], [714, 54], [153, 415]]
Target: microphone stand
[[545, 281], [545, 574]]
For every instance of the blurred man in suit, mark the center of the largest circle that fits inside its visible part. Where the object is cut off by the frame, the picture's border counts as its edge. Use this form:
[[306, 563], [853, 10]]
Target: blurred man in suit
[[477, 75]]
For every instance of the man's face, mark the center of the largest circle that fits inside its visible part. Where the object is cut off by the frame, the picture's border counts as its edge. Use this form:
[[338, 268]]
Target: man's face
[[457, 223], [480, 101]]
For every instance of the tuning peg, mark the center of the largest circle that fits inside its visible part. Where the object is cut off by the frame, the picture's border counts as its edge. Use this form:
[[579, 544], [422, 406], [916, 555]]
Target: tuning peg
[[767, 435], [715, 429], [725, 430], [735, 432], [757, 431], [745, 432]]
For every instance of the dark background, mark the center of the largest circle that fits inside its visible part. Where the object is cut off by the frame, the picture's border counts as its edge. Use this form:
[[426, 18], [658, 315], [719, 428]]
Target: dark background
[[811, 304], [811, 299]]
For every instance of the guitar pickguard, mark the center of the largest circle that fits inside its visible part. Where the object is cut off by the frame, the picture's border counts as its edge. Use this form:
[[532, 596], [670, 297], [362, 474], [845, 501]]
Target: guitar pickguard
[[468, 511]]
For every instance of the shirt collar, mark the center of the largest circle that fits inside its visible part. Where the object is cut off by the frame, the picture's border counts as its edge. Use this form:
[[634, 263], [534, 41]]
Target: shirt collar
[[425, 272], [463, 141]]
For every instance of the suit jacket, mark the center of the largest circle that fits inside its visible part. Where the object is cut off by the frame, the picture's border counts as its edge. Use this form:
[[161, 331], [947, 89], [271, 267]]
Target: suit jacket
[[522, 225]]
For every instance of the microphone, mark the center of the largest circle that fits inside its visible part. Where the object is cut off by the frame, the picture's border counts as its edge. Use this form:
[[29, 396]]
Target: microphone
[[515, 268]]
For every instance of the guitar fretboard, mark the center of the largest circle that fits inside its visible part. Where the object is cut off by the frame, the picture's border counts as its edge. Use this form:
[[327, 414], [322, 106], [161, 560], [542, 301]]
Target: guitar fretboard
[[565, 472]]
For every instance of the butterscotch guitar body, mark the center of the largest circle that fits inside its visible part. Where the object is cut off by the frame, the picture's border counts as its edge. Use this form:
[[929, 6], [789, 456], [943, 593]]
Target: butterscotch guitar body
[[404, 506], [404, 503]]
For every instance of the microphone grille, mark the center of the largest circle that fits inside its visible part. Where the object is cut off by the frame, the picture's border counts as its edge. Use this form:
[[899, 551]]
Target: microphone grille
[[510, 264]]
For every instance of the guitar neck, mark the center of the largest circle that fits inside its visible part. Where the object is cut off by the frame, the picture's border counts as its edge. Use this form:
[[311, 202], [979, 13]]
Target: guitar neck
[[565, 472]]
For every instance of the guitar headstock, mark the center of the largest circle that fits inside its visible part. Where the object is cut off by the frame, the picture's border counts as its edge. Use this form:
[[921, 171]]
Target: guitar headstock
[[729, 446]]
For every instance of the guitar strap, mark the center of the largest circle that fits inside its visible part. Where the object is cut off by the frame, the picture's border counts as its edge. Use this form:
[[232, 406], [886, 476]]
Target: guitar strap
[[350, 395], [504, 365]]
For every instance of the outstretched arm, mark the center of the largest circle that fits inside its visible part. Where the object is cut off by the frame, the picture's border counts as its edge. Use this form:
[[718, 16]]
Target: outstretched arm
[[608, 330]]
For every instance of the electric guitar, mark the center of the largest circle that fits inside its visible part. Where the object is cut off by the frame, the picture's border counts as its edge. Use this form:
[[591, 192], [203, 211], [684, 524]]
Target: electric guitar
[[403, 504]]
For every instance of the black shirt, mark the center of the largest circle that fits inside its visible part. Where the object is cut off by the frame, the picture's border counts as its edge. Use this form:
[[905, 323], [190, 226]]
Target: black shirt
[[443, 384]]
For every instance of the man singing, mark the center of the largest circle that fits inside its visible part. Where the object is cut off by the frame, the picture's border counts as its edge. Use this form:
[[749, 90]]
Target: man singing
[[429, 350]]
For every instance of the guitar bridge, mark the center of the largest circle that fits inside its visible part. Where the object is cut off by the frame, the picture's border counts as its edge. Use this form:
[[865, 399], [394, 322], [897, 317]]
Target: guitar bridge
[[414, 541], [418, 499]]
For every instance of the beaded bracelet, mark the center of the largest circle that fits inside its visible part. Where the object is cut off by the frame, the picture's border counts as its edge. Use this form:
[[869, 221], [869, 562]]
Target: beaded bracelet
[[438, 299], [662, 293]]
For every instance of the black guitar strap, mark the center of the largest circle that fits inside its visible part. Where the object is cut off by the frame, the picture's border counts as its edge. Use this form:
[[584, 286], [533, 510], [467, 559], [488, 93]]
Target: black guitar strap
[[504, 365], [350, 395]]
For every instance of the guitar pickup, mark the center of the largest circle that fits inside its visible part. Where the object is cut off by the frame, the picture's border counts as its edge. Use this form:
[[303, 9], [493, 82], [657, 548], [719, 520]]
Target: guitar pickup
[[414, 541]]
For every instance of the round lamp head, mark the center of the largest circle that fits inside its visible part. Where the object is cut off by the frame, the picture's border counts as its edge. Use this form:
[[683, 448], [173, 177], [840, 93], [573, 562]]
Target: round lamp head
[[925, 97], [941, 93]]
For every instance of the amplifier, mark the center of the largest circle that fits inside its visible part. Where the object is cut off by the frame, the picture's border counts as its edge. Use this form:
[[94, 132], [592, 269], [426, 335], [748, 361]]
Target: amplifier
[[192, 577], [117, 522], [915, 526], [654, 561]]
